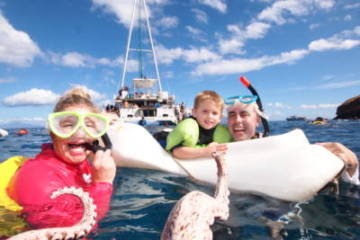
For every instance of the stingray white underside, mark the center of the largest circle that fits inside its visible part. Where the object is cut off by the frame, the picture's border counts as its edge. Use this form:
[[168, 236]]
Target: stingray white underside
[[285, 166]]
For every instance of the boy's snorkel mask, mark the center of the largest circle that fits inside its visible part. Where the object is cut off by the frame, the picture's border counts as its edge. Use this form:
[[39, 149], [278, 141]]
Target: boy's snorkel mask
[[247, 99]]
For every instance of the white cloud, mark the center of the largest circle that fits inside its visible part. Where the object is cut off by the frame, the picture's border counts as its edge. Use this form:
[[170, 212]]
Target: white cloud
[[167, 56], [168, 22], [356, 30], [168, 74], [95, 96], [31, 97], [281, 11], [16, 47], [233, 46], [109, 76], [265, 1], [7, 80], [242, 65], [192, 55], [230, 66], [273, 115], [196, 34], [318, 106], [314, 25], [75, 59], [123, 11], [337, 41], [328, 77], [279, 105], [199, 55], [132, 65], [200, 15], [256, 30], [333, 43], [324, 4], [236, 42], [340, 84], [348, 17], [159, 2], [219, 5], [194, 31], [289, 57], [352, 6], [276, 12]]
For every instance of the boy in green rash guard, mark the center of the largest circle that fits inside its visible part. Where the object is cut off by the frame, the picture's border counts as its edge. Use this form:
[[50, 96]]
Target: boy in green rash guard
[[200, 135]]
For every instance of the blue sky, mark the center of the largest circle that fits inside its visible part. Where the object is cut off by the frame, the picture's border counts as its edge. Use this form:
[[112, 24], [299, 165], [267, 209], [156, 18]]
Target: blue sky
[[301, 55]]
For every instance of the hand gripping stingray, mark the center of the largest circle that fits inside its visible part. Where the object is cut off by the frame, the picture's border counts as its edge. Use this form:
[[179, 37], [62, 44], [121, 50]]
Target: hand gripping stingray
[[75, 232], [193, 214]]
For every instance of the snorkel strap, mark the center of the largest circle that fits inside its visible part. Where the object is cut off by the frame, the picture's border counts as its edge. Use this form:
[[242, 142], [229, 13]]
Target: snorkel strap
[[264, 121], [96, 147]]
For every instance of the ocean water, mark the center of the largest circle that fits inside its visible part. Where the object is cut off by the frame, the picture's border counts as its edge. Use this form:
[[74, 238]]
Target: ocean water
[[142, 199]]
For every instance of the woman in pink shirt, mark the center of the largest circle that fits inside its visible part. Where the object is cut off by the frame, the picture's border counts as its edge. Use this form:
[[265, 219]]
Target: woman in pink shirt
[[75, 124]]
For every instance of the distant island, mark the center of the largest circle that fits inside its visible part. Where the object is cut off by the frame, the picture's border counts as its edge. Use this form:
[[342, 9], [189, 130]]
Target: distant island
[[21, 124], [350, 109], [295, 118]]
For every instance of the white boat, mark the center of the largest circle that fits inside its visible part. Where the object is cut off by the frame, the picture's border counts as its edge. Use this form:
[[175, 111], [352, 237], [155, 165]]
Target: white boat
[[141, 97], [3, 133], [152, 107]]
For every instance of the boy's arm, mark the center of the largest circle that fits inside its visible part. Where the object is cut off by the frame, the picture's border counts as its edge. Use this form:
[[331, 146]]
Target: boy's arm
[[189, 153]]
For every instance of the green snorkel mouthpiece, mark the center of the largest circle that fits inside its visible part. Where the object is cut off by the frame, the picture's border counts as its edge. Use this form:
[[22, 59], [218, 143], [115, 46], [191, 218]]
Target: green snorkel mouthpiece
[[264, 121]]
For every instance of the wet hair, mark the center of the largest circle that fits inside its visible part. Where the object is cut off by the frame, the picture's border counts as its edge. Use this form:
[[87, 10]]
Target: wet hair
[[253, 106], [73, 97], [209, 95]]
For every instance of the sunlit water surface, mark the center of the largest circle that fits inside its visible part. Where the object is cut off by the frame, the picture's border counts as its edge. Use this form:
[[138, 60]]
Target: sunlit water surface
[[142, 199]]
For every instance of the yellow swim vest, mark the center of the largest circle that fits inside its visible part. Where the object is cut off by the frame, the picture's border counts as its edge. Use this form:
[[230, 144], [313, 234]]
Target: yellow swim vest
[[7, 170]]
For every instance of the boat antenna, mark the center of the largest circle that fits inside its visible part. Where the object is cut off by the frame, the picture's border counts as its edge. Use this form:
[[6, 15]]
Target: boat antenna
[[264, 121]]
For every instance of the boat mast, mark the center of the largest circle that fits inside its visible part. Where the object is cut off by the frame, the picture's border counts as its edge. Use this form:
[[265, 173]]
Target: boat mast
[[152, 44], [128, 45], [128, 49]]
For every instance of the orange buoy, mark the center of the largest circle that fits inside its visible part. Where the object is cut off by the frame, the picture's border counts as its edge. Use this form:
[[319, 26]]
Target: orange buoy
[[22, 131]]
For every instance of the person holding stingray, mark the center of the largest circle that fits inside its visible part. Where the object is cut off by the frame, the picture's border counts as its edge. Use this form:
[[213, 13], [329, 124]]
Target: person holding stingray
[[74, 126]]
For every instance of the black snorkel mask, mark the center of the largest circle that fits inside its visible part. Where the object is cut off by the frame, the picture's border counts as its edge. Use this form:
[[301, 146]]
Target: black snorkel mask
[[264, 121]]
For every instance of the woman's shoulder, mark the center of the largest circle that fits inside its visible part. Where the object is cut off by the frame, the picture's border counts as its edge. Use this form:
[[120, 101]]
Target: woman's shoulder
[[43, 164], [45, 159]]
